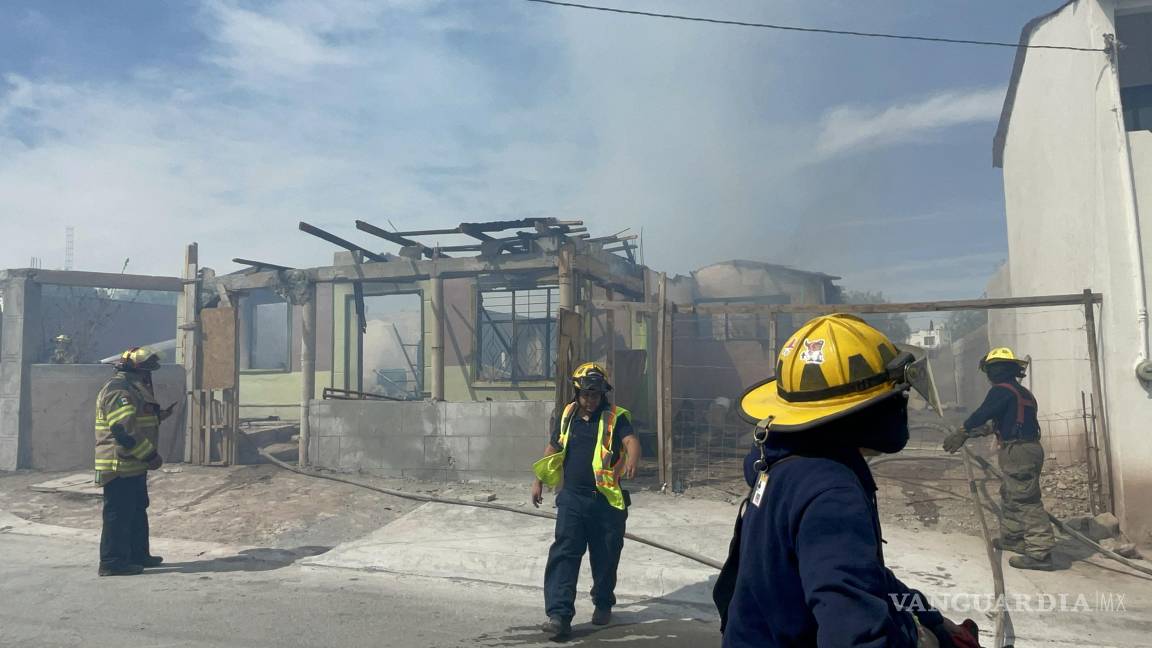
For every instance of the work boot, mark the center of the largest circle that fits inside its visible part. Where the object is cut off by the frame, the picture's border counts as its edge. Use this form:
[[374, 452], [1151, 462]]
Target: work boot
[[1028, 562], [557, 627], [602, 616], [1015, 546], [126, 570]]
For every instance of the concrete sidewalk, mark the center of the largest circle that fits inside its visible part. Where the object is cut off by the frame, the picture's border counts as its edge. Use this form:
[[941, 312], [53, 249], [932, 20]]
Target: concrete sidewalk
[[1100, 606], [446, 541]]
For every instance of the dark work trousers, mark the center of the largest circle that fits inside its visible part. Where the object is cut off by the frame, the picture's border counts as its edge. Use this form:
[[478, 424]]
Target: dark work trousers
[[124, 538], [584, 520]]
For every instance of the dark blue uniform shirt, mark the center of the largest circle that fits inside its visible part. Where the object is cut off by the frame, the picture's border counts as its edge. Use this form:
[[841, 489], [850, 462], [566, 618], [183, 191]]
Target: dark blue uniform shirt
[[578, 472], [1000, 406]]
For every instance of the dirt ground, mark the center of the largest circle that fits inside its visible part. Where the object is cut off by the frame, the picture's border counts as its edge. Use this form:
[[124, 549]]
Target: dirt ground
[[263, 505]]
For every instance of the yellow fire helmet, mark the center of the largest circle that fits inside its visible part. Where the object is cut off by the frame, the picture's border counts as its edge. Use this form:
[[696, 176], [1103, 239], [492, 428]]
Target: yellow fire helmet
[[1002, 354], [832, 366], [139, 359], [591, 377]]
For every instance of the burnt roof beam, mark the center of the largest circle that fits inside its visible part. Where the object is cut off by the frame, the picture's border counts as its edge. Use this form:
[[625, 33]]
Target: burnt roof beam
[[395, 237], [336, 240]]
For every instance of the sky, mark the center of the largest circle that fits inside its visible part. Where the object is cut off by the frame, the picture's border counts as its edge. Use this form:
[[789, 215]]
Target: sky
[[149, 125]]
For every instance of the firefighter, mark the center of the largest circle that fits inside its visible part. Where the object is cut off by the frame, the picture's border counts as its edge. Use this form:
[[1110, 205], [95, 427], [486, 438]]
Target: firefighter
[[63, 351], [592, 449], [127, 430], [1025, 526], [806, 565]]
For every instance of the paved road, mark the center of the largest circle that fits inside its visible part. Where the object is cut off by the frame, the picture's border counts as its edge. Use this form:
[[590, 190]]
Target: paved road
[[50, 596]]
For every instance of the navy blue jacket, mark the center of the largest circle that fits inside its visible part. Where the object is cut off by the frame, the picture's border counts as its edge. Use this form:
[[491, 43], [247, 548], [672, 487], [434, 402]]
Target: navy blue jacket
[[1002, 407], [811, 566]]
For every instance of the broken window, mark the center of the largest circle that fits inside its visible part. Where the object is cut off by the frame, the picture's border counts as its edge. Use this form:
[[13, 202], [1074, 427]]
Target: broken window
[[517, 334], [1135, 69], [392, 346], [269, 330]]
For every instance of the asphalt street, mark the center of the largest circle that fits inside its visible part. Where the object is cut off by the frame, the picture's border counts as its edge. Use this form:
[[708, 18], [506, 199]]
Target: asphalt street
[[50, 596]]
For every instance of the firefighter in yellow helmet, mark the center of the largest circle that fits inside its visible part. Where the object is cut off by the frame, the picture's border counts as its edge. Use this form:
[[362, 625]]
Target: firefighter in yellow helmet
[[1025, 528], [592, 449], [806, 565], [127, 443]]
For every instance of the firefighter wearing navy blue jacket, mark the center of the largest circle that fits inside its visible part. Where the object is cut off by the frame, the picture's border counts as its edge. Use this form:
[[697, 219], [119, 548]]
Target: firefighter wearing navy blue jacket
[[592, 448], [1025, 528], [806, 567]]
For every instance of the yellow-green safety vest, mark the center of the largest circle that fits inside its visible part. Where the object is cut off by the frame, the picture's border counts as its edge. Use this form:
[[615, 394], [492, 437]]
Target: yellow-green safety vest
[[550, 469]]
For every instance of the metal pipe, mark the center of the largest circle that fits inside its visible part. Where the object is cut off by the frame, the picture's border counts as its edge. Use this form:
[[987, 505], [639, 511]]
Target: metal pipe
[[437, 346], [1132, 222]]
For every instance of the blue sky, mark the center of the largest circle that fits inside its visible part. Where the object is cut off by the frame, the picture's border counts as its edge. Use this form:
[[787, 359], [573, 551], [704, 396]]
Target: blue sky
[[147, 125]]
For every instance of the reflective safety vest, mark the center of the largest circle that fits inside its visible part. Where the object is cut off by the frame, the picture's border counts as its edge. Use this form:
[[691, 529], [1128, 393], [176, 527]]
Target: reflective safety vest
[[550, 469], [127, 405]]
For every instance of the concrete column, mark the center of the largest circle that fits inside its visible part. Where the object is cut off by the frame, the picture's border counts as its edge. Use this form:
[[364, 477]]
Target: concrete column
[[437, 342], [19, 343], [307, 370]]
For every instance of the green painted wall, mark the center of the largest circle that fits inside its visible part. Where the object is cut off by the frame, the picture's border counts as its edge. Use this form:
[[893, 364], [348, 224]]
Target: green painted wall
[[275, 393]]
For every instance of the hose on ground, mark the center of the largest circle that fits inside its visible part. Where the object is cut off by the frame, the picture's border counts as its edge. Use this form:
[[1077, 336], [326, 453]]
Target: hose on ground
[[1067, 529], [691, 555], [1004, 636]]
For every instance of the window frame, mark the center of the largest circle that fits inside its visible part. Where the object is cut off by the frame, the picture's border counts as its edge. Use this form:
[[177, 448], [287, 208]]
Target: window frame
[[552, 306]]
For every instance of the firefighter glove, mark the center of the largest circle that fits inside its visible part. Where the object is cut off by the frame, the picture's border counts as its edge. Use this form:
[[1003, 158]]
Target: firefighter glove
[[954, 441]]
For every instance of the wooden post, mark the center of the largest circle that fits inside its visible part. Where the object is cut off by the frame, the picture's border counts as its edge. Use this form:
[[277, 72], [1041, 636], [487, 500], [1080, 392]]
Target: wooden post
[[190, 344], [307, 371], [663, 378], [567, 278], [610, 350], [1098, 395]]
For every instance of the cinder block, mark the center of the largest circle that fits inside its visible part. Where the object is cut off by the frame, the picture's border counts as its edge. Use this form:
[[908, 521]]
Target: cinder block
[[329, 455], [446, 452], [382, 420], [467, 419], [360, 453], [402, 453], [503, 452], [519, 418], [421, 418]]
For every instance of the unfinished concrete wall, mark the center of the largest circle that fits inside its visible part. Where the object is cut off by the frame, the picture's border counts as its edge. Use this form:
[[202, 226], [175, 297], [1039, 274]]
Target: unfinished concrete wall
[[99, 326], [63, 405], [482, 441]]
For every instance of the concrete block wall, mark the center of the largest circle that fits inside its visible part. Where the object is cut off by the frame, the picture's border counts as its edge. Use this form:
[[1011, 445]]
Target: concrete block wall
[[63, 410], [472, 441]]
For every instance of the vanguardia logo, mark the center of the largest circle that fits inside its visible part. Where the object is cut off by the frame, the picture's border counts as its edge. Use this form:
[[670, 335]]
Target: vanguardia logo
[[1054, 602]]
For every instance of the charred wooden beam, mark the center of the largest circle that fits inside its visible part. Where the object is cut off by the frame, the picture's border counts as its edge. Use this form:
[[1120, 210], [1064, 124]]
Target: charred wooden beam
[[394, 237], [260, 264], [336, 240]]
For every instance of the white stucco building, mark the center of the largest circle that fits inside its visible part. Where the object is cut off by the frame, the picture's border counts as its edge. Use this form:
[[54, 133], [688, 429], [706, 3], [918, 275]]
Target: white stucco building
[[1075, 144]]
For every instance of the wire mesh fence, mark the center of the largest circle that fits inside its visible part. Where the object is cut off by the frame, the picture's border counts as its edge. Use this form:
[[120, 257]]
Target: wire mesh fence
[[715, 356]]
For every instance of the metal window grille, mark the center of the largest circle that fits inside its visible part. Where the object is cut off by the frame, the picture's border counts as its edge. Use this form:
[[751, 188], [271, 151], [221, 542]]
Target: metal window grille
[[517, 334]]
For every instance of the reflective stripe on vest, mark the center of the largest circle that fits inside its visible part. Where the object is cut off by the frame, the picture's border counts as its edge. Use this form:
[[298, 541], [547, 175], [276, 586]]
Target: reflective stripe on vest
[[549, 469]]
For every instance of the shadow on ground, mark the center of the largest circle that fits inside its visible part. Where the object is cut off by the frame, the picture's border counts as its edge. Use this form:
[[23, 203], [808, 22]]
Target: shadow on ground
[[657, 622], [261, 559]]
